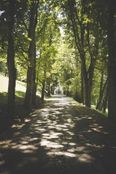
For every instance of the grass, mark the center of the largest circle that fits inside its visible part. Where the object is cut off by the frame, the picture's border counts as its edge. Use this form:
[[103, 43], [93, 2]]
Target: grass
[[104, 114], [3, 98], [20, 111], [20, 90], [19, 97]]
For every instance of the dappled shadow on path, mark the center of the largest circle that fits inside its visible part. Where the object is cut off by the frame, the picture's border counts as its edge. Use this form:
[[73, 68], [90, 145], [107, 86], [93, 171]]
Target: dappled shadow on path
[[61, 138]]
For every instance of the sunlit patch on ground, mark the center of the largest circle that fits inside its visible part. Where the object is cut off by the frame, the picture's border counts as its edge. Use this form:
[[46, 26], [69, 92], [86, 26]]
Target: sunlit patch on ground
[[85, 158], [61, 136]]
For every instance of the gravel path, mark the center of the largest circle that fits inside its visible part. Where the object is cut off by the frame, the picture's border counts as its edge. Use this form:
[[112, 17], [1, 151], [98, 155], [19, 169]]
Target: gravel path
[[61, 138]]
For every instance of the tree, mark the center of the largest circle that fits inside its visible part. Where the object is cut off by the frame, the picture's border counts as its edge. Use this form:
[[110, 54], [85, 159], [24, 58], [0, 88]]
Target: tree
[[30, 96], [11, 58], [85, 28], [111, 60]]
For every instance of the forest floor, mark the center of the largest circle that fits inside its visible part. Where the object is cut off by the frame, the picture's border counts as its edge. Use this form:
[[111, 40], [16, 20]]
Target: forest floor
[[20, 92], [63, 137]]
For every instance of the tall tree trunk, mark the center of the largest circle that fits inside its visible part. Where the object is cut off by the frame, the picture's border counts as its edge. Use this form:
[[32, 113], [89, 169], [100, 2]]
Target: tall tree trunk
[[82, 86], [103, 96], [30, 96], [105, 101], [98, 106], [88, 90], [11, 60], [111, 64], [78, 29], [49, 87], [43, 90], [43, 84], [87, 80]]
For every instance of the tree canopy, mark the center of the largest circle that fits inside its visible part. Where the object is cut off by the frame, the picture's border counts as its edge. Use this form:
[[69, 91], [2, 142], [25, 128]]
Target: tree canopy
[[67, 43]]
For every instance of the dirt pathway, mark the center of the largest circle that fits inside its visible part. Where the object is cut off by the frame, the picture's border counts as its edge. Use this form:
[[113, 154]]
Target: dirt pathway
[[61, 138]]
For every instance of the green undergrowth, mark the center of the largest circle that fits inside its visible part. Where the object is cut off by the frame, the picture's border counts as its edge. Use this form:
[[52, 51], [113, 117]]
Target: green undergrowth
[[19, 97], [20, 111]]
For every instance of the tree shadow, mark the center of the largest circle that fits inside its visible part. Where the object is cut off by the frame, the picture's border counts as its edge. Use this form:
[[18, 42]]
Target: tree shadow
[[61, 138], [21, 112]]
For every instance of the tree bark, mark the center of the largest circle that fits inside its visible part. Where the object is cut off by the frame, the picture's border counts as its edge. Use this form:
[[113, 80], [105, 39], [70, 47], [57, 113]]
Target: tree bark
[[111, 63], [43, 84], [30, 96], [49, 87], [101, 90], [102, 102], [11, 60], [86, 75], [105, 101], [82, 87]]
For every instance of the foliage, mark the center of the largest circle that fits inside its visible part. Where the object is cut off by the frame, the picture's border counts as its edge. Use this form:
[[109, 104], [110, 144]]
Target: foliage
[[71, 46]]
